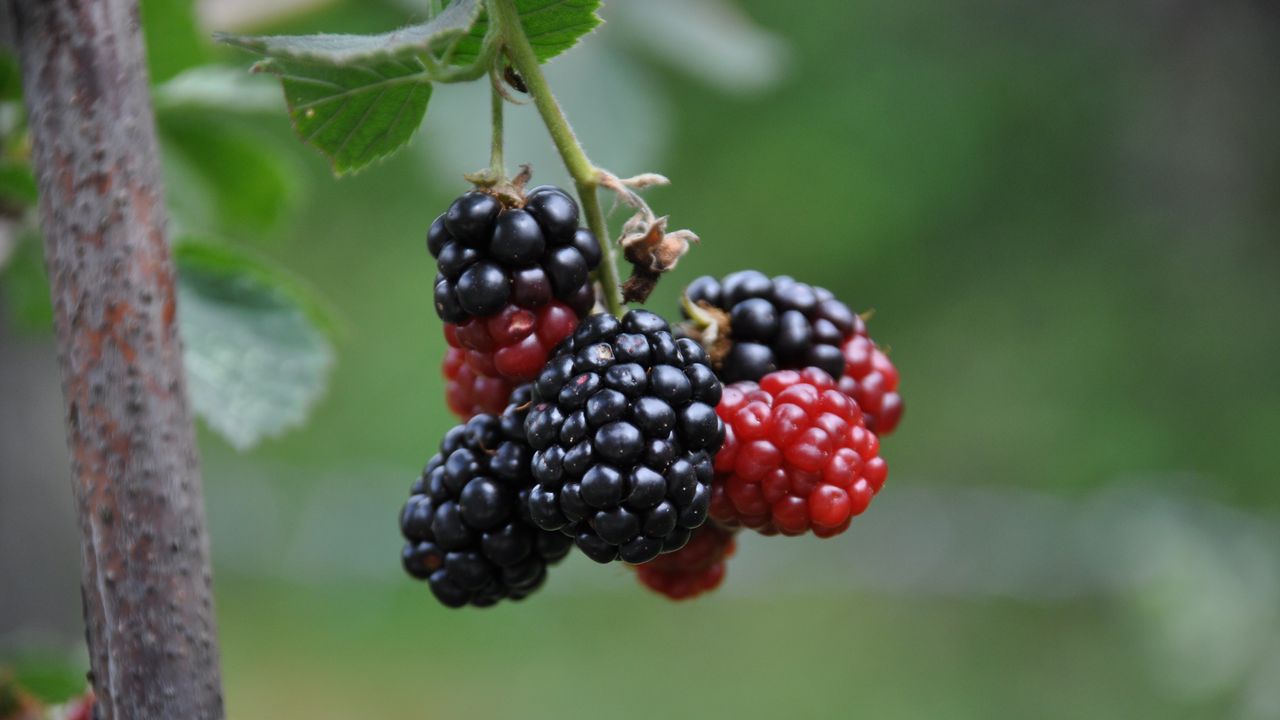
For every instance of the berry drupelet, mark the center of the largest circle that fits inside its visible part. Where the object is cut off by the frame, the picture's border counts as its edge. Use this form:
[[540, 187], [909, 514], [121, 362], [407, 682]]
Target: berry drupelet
[[775, 323], [871, 379], [624, 430], [692, 570], [469, 393], [466, 523], [512, 279], [797, 456]]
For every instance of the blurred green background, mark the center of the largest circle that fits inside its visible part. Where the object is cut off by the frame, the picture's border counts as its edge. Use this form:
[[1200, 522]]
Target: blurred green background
[[1066, 217]]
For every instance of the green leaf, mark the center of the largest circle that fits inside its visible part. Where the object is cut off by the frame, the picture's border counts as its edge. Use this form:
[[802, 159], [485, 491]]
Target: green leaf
[[552, 27], [49, 677], [222, 177], [26, 287], [327, 49], [217, 88], [358, 98], [354, 114], [10, 77], [17, 185], [257, 359], [173, 37]]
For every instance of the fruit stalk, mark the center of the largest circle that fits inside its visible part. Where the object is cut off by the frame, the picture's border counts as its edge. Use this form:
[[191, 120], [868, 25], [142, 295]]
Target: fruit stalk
[[496, 163], [586, 177]]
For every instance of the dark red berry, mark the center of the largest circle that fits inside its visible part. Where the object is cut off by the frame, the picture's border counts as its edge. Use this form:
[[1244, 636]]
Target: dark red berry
[[531, 288], [797, 456], [469, 393], [515, 343], [871, 379], [692, 570]]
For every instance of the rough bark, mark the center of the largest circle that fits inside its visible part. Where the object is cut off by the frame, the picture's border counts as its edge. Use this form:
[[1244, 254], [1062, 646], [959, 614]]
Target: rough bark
[[145, 579]]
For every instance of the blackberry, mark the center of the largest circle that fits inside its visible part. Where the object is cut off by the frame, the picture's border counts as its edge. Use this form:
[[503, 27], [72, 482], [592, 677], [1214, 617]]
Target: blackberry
[[797, 456], [490, 257], [774, 324], [624, 430], [466, 524], [694, 569]]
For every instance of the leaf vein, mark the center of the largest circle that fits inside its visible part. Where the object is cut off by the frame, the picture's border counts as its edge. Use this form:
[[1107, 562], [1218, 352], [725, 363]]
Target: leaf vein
[[408, 98], [355, 127], [389, 82], [309, 136]]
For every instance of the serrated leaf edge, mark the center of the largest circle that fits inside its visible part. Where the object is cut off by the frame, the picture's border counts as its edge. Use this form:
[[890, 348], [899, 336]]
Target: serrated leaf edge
[[388, 49]]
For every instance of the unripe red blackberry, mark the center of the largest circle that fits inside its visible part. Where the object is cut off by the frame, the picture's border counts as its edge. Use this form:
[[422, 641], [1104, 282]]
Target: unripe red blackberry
[[624, 429], [692, 570], [871, 379], [514, 344], [466, 524], [773, 323], [797, 456], [469, 393]]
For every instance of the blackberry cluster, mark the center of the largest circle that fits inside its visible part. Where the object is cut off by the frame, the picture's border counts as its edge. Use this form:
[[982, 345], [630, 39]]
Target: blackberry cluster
[[466, 524], [512, 281], [775, 324], [624, 430], [489, 257], [695, 568], [797, 456]]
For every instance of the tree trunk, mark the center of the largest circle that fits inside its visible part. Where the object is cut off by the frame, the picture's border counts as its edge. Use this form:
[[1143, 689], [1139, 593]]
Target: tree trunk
[[146, 583]]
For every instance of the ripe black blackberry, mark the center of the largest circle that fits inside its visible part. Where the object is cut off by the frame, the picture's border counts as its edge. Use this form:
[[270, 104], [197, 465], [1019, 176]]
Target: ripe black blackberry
[[624, 429], [489, 256], [774, 324], [466, 524]]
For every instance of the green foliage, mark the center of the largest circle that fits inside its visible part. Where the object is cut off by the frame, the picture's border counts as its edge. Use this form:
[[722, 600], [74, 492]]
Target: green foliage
[[358, 98], [49, 678], [337, 50], [256, 357], [10, 77], [26, 288], [354, 113], [217, 89], [173, 37], [221, 177], [17, 185], [552, 27]]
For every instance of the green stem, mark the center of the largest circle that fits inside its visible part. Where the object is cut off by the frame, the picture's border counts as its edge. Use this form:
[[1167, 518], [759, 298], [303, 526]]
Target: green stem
[[496, 165], [585, 175], [442, 72]]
